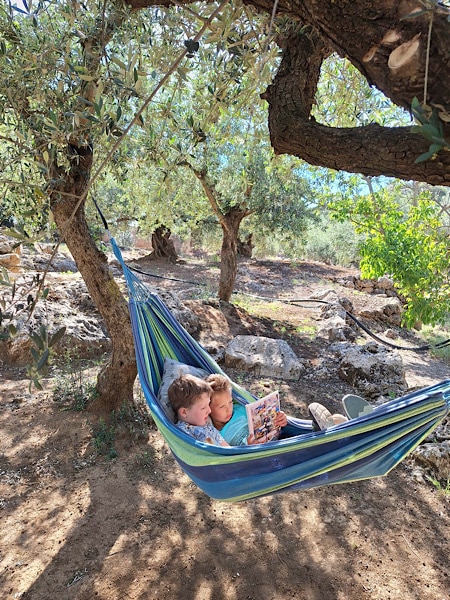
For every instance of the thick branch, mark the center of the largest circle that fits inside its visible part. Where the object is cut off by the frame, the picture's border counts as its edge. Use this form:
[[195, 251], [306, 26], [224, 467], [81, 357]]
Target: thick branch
[[371, 150]]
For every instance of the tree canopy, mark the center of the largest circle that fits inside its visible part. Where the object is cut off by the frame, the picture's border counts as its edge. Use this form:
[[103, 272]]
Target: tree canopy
[[400, 47]]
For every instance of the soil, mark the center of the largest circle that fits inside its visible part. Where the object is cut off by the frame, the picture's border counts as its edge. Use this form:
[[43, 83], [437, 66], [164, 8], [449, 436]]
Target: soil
[[79, 522]]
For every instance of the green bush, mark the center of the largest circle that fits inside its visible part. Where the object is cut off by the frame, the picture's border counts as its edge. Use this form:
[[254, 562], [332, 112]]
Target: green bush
[[332, 243]]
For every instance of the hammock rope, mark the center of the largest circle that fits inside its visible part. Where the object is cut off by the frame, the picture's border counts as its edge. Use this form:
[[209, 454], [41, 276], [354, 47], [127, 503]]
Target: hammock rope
[[362, 448]]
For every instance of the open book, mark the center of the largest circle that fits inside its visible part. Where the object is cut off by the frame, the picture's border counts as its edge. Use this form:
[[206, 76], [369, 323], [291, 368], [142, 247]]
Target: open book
[[261, 415]]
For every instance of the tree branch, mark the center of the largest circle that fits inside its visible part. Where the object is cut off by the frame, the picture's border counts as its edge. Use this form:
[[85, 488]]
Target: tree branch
[[370, 150]]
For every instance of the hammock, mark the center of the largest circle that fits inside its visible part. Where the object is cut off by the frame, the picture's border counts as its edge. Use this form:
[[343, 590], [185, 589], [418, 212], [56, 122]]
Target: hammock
[[362, 448]]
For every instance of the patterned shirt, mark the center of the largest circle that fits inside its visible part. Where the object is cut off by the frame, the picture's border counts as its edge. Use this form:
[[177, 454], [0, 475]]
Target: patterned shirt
[[204, 433]]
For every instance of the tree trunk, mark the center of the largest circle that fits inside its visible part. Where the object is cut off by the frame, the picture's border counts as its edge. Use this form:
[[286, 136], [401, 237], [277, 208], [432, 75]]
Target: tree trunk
[[116, 379], [371, 150], [163, 246], [230, 223]]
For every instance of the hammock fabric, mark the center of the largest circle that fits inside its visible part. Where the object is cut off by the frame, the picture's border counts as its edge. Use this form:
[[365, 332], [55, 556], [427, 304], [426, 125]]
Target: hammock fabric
[[366, 447]]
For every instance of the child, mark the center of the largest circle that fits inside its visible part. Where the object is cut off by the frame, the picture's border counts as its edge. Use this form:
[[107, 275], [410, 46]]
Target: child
[[234, 430], [189, 397]]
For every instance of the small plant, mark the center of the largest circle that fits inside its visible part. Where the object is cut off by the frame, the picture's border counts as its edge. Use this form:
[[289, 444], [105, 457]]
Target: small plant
[[442, 487], [204, 292], [147, 459], [434, 337], [134, 418], [73, 388], [306, 330], [18, 300], [104, 438]]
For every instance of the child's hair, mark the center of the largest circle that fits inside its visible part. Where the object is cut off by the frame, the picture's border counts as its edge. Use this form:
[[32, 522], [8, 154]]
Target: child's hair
[[219, 383], [184, 391]]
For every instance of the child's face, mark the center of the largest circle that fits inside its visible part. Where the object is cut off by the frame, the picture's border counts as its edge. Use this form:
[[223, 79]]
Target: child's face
[[221, 408], [198, 413]]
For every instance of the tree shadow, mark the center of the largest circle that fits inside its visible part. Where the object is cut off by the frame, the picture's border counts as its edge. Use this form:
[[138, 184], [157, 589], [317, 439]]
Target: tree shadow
[[79, 526]]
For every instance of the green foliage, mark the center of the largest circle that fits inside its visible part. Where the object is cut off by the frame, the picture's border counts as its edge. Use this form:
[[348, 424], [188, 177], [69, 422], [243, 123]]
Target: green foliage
[[103, 437], [443, 487], [434, 336], [407, 242], [41, 353], [345, 99], [17, 303], [430, 123], [134, 418], [331, 242], [73, 389]]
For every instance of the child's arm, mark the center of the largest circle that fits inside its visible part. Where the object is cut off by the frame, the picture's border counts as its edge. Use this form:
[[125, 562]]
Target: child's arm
[[220, 442]]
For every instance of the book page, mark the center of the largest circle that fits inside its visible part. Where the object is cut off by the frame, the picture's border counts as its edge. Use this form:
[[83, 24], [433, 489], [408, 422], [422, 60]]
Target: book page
[[261, 415]]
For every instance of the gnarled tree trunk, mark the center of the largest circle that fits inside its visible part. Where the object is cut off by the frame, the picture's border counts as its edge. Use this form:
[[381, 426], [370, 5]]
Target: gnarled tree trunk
[[163, 246], [116, 379], [370, 150], [230, 222], [400, 46]]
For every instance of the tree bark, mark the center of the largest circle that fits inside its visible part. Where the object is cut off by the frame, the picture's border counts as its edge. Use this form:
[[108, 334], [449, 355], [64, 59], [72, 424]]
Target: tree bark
[[366, 33], [115, 380], [163, 246], [245, 247], [230, 222], [371, 150]]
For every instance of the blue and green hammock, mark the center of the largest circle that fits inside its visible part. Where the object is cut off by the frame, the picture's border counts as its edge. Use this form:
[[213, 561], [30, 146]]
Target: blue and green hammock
[[362, 448]]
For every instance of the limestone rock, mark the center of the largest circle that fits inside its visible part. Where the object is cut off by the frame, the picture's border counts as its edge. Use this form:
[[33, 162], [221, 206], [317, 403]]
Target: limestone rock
[[10, 262], [435, 457], [373, 370], [263, 356]]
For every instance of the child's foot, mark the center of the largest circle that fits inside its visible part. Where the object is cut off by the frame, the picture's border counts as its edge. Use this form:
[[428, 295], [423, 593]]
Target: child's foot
[[322, 418]]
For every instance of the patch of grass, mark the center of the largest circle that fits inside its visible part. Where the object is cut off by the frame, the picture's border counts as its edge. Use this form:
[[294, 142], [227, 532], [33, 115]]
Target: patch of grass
[[130, 420], [443, 487], [147, 459], [255, 307], [306, 330], [204, 292], [104, 436], [135, 419], [432, 336]]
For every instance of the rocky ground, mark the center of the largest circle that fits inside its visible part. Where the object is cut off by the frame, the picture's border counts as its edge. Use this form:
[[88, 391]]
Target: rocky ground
[[81, 522]]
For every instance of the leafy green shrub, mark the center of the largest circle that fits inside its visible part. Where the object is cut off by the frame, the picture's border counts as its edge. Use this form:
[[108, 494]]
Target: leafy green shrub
[[332, 243]]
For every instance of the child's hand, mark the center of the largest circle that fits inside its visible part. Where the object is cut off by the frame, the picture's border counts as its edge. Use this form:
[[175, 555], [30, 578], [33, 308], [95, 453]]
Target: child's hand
[[281, 419]]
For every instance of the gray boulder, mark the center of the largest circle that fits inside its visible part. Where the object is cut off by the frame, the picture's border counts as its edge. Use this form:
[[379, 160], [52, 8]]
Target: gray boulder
[[373, 370], [263, 356]]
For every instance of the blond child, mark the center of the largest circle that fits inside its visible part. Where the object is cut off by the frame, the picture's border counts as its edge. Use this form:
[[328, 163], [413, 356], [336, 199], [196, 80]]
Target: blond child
[[190, 398], [233, 430]]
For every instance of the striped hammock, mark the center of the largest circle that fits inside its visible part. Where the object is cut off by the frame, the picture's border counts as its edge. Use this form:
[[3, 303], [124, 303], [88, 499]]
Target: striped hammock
[[369, 446]]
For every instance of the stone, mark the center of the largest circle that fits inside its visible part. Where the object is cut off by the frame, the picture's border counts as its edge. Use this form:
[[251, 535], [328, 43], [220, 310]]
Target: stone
[[263, 356], [10, 262], [372, 370], [435, 457]]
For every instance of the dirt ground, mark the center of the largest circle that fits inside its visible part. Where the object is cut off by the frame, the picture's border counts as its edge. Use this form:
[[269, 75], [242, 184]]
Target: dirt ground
[[76, 524]]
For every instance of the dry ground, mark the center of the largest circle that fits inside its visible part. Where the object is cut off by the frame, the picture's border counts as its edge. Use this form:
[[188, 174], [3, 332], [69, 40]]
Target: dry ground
[[76, 524]]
